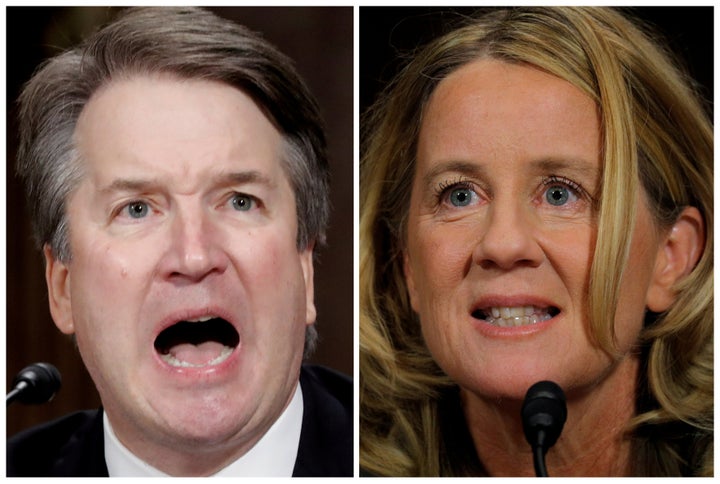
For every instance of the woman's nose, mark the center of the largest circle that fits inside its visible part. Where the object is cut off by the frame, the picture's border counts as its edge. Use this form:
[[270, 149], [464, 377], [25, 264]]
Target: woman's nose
[[195, 248], [507, 238]]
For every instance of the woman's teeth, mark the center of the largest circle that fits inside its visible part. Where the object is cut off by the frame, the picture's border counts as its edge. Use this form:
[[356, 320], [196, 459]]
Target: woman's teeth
[[507, 317]]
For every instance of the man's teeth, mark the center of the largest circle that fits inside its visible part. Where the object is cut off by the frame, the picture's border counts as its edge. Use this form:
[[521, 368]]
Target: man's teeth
[[506, 317], [201, 319], [173, 361]]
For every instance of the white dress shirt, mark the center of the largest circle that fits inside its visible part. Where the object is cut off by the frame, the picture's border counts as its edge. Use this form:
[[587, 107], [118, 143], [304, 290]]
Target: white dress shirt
[[272, 456]]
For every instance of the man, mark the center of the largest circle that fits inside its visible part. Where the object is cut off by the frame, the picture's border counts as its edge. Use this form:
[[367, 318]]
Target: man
[[177, 177]]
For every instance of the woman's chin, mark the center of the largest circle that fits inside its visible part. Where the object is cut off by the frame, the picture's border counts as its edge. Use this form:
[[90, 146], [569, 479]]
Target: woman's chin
[[502, 393], [510, 387]]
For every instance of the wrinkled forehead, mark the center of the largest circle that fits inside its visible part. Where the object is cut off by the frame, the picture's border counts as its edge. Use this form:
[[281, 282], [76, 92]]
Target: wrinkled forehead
[[178, 127]]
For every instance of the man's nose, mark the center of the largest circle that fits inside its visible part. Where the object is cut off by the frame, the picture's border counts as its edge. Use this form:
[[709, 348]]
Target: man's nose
[[508, 238], [195, 249]]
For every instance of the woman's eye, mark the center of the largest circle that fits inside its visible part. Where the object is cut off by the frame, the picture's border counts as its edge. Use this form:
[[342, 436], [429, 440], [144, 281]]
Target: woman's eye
[[461, 197], [560, 191], [242, 202], [137, 209], [557, 195], [456, 194]]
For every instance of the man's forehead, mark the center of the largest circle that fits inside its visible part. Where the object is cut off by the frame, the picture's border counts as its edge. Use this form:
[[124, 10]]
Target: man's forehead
[[151, 128], [169, 104]]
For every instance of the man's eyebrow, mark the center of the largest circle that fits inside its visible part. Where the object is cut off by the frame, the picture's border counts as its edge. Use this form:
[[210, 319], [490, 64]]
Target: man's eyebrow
[[242, 178], [130, 185], [221, 179]]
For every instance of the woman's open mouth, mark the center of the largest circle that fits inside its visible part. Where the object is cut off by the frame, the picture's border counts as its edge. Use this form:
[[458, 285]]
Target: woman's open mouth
[[198, 343], [508, 317]]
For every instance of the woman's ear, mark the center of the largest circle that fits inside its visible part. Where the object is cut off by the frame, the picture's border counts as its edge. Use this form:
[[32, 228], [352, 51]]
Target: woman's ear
[[410, 281], [57, 277], [681, 248]]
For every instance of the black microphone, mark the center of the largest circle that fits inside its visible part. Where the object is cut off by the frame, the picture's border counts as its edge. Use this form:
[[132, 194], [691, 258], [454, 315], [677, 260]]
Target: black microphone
[[543, 416], [35, 384]]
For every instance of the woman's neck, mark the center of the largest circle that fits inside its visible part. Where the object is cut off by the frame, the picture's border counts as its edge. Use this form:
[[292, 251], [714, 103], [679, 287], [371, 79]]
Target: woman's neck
[[593, 442]]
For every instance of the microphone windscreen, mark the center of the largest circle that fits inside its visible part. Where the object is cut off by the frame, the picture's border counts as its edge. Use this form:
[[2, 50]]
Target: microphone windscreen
[[544, 409], [40, 382]]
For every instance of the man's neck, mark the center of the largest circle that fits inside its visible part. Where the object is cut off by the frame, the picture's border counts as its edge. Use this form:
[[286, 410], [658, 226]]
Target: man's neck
[[593, 442], [272, 453]]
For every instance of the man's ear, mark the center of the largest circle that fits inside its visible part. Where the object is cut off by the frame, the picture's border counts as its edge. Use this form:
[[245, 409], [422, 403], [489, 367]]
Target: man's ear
[[680, 250], [306, 261], [57, 277]]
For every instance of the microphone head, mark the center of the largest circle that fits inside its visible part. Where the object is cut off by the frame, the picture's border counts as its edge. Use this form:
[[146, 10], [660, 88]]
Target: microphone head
[[40, 382], [543, 414]]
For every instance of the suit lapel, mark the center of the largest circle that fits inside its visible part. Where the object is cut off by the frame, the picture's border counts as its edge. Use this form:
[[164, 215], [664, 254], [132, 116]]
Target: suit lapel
[[84, 454], [326, 438]]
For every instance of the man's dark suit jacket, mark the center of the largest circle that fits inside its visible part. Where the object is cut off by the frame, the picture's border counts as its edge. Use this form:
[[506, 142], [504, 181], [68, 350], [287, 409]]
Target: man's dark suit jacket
[[73, 446]]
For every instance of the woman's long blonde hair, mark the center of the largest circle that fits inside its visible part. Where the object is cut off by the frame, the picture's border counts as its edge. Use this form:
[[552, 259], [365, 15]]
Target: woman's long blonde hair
[[657, 137]]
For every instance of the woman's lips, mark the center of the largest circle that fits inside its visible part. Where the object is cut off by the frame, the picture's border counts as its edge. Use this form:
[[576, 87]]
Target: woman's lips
[[515, 316]]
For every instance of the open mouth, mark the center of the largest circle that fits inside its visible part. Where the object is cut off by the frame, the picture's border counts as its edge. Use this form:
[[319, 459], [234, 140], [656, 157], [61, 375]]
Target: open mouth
[[196, 344], [508, 317]]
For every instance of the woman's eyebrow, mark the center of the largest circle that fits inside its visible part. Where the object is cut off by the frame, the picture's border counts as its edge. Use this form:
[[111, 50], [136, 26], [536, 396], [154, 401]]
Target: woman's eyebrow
[[577, 166], [544, 165], [452, 166]]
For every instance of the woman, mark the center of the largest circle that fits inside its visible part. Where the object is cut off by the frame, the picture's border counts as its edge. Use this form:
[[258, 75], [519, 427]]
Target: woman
[[536, 204]]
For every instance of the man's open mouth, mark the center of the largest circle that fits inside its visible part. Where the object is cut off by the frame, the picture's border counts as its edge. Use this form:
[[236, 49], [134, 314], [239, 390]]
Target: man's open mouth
[[196, 344], [506, 317]]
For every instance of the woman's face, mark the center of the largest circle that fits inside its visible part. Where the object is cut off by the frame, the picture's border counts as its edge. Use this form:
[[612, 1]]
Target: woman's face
[[501, 232]]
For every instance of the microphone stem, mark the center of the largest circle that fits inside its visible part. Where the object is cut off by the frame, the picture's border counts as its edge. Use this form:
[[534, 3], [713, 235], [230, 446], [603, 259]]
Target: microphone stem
[[15, 392], [539, 461]]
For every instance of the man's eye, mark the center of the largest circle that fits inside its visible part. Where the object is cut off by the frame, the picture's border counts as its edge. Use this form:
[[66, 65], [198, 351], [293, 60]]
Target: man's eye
[[137, 209], [242, 202]]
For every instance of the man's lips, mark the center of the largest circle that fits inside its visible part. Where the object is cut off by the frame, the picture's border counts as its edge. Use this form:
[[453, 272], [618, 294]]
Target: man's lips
[[197, 342]]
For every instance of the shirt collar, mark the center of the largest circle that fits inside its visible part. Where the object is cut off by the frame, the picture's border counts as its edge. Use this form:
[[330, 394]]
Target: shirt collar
[[273, 456]]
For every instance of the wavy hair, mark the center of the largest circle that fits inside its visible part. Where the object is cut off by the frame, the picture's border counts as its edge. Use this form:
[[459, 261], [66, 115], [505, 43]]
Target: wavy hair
[[656, 137]]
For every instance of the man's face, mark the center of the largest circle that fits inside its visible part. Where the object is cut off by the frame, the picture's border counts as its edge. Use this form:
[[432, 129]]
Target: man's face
[[186, 291]]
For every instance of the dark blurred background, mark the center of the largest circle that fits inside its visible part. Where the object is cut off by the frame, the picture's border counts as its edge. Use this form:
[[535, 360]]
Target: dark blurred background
[[320, 40], [388, 35]]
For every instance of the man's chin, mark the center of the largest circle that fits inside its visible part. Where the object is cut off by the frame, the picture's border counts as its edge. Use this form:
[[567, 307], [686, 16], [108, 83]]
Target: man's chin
[[193, 431]]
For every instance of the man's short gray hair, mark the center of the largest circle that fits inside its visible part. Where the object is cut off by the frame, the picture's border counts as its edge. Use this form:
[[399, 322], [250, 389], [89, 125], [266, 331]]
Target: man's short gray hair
[[188, 43]]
